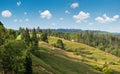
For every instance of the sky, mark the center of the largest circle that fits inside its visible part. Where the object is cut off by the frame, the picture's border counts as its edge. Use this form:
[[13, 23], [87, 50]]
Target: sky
[[103, 15]]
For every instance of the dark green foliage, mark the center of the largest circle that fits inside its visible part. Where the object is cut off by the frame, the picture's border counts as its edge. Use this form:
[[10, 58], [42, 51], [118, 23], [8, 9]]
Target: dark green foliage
[[60, 44], [30, 41], [106, 70], [34, 35], [28, 63], [2, 28], [38, 30], [10, 35], [97, 68], [2, 34], [34, 40], [25, 36], [44, 37], [11, 59]]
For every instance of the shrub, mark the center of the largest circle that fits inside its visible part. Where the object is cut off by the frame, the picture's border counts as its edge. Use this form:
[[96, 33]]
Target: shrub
[[107, 70], [60, 44], [97, 68], [112, 63]]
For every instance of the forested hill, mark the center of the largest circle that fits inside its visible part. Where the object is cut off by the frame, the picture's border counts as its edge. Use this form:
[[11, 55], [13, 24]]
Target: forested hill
[[65, 30], [106, 41], [79, 30]]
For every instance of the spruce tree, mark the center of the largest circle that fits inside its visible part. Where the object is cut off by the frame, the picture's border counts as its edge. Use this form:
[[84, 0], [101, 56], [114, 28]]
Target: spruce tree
[[44, 37], [34, 39], [60, 44], [28, 63], [2, 34], [25, 36]]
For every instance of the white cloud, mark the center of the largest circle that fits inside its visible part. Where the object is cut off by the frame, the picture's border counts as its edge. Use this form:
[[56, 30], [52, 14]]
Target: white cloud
[[81, 16], [67, 12], [46, 14], [74, 5], [25, 13], [61, 18], [106, 19], [6, 14], [19, 3], [26, 19]]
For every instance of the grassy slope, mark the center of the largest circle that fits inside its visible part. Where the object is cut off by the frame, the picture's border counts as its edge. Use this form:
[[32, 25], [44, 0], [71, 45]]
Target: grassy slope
[[57, 61], [90, 54]]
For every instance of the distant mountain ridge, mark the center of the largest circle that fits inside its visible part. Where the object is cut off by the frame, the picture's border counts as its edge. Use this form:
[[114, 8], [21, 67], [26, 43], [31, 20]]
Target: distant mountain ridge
[[79, 30]]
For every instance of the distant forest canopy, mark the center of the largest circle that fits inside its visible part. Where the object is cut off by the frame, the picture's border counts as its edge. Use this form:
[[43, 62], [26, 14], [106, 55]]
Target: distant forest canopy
[[108, 42]]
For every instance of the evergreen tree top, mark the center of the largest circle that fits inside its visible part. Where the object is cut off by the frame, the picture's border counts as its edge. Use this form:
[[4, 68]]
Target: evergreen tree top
[[1, 23]]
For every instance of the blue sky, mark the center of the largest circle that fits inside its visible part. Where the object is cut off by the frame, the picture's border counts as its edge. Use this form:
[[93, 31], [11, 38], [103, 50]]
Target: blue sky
[[101, 15]]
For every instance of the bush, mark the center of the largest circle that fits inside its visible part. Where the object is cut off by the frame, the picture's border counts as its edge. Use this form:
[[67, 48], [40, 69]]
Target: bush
[[60, 44], [77, 53], [70, 50], [97, 68], [107, 71], [112, 63]]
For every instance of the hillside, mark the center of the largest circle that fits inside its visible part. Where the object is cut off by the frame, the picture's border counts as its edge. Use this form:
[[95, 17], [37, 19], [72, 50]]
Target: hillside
[[77, 58], [60, 37], [57, 61], [90, 55]]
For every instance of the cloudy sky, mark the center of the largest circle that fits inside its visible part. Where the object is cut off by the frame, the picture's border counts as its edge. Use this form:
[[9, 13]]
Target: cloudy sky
[[69, 14]]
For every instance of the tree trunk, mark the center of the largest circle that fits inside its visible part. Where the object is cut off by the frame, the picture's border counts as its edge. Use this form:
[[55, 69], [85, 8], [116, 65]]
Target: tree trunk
[[4, 71]]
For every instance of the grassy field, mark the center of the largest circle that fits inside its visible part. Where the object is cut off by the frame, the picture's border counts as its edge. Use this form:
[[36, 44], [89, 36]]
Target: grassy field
[[90, 55], [56, 61]]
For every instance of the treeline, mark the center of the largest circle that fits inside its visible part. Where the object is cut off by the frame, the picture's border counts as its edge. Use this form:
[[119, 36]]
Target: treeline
[[105, 41]]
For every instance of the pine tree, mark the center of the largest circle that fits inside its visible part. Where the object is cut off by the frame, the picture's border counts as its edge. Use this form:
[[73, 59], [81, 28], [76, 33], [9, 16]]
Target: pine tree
[[44, 37], [34, 40], [2, 34], [28, 63], [60, 44], [25, 36]]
